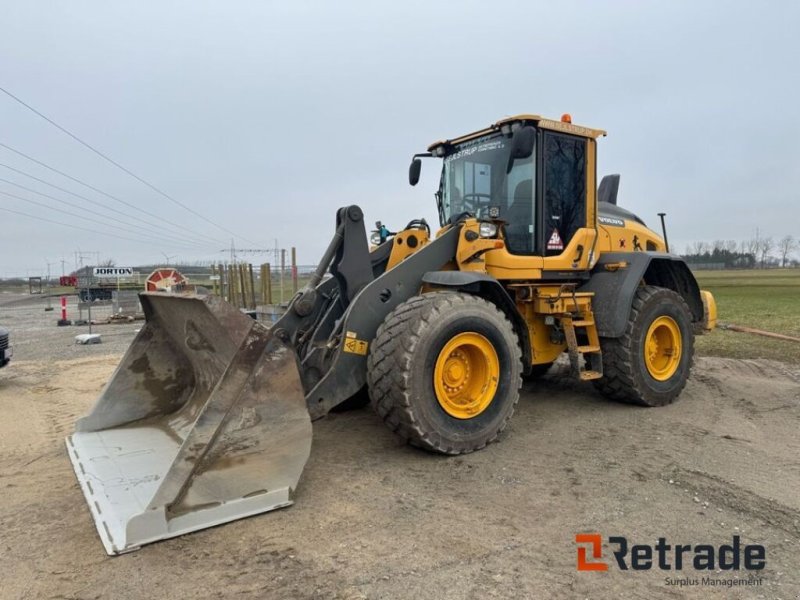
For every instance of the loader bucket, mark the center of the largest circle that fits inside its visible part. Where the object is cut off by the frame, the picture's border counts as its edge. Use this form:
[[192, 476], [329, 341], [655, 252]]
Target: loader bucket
[[203, 422]]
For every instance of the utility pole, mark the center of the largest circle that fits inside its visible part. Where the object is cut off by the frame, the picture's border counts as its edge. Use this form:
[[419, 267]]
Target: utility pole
[[47, 287], [80, 255]]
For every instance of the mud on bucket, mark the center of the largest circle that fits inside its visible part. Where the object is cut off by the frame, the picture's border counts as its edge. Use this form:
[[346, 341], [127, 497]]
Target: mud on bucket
[[203, 422]]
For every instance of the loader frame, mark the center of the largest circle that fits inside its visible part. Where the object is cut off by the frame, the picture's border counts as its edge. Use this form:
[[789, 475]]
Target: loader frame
[[331, 326]]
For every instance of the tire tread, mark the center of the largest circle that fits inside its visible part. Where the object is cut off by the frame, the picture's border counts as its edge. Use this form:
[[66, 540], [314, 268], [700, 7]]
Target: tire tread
[[389, 361], [619, 381]]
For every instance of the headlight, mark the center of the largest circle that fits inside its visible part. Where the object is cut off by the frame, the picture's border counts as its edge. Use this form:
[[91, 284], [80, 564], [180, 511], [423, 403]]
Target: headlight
[[487, 230], [375, 238]]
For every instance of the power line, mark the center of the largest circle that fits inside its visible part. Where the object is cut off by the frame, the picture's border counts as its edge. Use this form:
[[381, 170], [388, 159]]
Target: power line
[[118, 237], [66, 212], [147, 233], [119, 166], [27, 189], [106, 194], [250, 250], [52, 185]]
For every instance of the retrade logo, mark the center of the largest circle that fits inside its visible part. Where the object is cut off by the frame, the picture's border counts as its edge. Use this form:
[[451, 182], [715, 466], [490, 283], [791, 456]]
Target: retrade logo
[[668, 557], [596, 544]]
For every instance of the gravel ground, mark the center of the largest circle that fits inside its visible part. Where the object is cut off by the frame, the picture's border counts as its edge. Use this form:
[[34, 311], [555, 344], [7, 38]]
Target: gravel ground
[[374, 518], [35, 335]]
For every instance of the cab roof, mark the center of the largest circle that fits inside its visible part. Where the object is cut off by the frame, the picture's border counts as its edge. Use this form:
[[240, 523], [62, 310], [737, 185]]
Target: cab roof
[[564, 126]]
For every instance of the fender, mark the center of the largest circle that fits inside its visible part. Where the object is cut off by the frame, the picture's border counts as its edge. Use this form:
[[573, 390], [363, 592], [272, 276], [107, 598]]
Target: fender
[[487, 287], [614, 288]]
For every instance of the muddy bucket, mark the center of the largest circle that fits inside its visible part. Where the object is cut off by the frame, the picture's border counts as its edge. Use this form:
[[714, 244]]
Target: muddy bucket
[[203, 422]]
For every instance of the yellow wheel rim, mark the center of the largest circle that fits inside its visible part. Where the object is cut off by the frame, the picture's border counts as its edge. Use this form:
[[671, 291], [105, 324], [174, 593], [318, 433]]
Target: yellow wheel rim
[[662, 348], [466, 374]]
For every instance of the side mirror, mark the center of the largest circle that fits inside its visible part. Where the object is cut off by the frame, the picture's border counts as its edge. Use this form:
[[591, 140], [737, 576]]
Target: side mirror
[[522, 142], [413, 171]]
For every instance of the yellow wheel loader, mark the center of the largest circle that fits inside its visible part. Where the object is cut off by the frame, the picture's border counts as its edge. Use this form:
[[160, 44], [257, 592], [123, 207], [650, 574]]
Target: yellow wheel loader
[[207, 419]]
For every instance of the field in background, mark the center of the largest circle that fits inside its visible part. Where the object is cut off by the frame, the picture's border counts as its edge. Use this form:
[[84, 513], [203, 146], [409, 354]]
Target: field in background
[[766, 299]]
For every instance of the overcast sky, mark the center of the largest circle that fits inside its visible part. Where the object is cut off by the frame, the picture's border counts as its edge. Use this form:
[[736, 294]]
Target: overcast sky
[[264, 117]]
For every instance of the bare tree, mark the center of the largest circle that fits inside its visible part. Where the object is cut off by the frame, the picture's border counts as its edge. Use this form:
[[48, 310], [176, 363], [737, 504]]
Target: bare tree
[[731, 245], [699, 248], [752, 247], [766, 244], [786, 246], [108, 262]]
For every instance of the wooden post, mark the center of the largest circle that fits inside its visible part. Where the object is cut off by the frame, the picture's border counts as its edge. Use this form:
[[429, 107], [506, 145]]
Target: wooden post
[[251, 299], [251, 282], [233, 285], [245, 288], [221, 271], [283, 271], [294, 271], [228, 281], [267, 281], [242, 287], [261, 284], [214, 281]]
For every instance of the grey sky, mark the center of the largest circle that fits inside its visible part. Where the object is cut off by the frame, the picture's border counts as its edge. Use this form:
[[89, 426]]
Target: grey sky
[[265, 117]]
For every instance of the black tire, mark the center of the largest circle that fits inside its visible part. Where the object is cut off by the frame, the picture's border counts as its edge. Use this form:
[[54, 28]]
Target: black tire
[[625, 375], [538, 371], [401, 364]]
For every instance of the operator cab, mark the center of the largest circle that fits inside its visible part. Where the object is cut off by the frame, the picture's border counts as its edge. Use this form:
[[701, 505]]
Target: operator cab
[[534, 176], [537, 188]]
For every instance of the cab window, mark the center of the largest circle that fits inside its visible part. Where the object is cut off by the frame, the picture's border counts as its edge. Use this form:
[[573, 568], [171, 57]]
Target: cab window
[[564, 187]]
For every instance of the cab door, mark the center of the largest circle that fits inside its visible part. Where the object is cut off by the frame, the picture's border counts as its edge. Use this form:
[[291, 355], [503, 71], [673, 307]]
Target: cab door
[[567, 216]]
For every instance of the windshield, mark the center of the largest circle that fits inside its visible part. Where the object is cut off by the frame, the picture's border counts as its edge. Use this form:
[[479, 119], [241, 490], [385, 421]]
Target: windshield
[[474, 180]]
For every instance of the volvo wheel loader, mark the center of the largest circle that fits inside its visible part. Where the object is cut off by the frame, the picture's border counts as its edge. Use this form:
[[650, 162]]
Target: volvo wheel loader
[[208, 417]]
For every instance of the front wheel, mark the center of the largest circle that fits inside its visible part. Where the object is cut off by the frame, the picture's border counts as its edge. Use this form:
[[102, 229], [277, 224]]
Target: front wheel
[[444, 372], [650, 364]]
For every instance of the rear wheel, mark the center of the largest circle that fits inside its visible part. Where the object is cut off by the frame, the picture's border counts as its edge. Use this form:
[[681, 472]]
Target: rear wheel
[[444, 372], [651, 362]]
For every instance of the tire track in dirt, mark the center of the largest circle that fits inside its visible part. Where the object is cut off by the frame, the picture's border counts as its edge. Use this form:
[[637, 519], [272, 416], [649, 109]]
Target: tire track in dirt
[[374, 518], [754, 507]]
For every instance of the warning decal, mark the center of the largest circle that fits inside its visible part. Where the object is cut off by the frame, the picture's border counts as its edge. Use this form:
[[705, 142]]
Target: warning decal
[[555, 243], [354, 346]]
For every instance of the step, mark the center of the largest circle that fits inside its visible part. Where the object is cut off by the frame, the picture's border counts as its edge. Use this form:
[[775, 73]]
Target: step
[[583, 323], [588, 349], [589, 375]]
